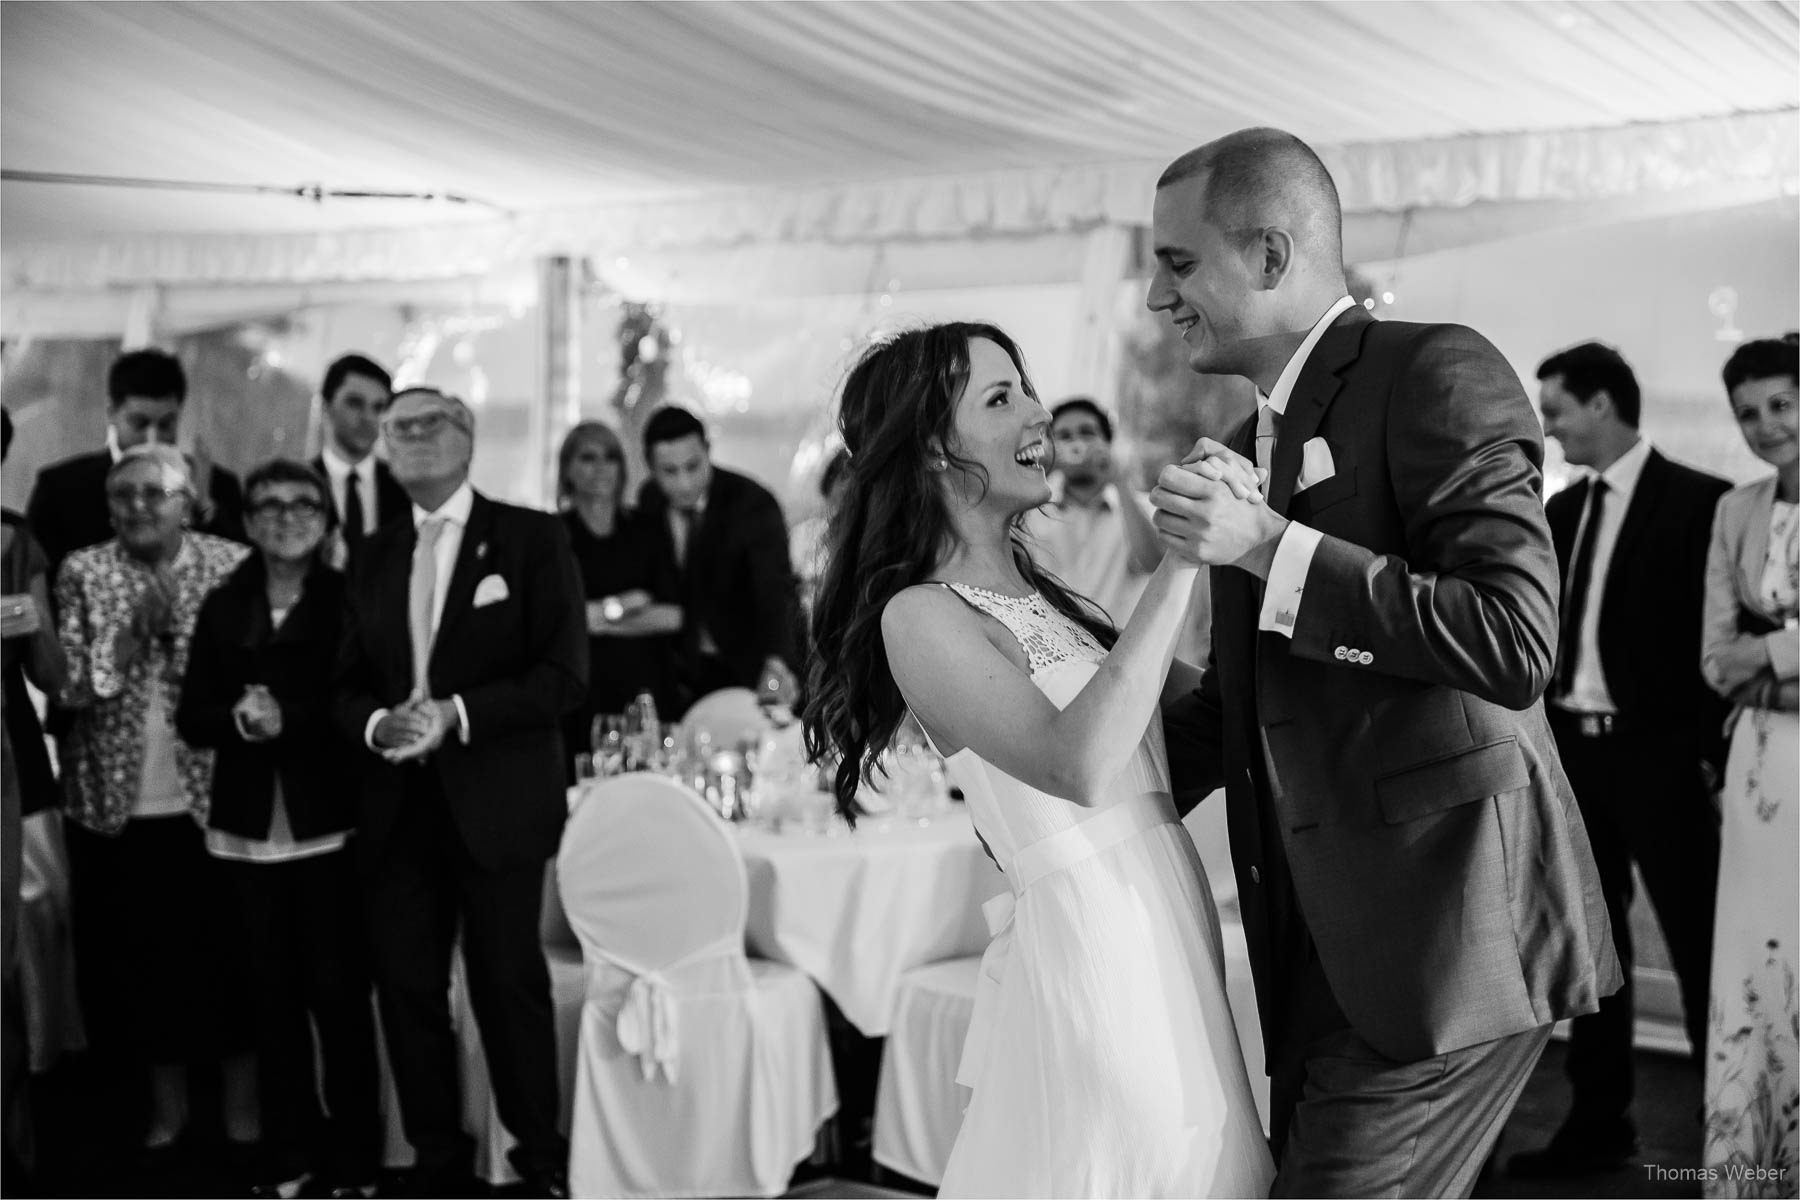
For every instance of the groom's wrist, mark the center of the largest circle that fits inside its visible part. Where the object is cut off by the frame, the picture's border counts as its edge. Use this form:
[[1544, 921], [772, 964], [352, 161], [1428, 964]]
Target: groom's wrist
[[1260, 559]]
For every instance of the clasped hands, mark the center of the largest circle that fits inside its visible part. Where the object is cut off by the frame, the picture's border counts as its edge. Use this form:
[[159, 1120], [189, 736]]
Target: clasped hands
[[1210, 510], [258, 714], [412, 730]]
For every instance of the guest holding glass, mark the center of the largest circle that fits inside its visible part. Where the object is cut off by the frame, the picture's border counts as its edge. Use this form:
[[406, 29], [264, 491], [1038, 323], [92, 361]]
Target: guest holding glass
[[632, 625], [1750, 653], [154, 961], [258, 694]]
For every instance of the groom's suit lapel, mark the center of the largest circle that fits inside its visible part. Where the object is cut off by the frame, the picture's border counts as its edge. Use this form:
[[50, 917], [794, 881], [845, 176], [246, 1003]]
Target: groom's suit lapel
[[1319, 384]]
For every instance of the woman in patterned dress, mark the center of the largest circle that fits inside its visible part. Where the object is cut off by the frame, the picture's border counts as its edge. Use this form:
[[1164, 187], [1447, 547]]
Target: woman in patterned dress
[[1751, 653]]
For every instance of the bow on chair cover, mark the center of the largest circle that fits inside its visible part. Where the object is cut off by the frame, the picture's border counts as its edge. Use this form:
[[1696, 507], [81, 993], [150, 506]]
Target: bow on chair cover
[[649, 1020]]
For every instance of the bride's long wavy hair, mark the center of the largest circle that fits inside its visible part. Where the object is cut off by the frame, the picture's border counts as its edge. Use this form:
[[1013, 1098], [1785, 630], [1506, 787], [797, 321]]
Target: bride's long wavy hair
[[890, 531]]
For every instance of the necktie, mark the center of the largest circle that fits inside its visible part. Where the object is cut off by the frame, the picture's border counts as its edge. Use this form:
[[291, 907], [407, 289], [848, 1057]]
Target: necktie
[[353, 509], [418, 602], [1581, 574], [684, 529], [1268, 428]]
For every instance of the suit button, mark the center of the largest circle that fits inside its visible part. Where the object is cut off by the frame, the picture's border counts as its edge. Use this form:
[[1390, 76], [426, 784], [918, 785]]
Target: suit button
[[1255, 875], [1365, 658], [1340, 654]]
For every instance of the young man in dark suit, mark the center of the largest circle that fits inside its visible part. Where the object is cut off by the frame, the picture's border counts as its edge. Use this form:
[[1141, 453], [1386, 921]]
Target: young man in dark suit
[[464, 646], [728, 540], [353, 397], [1419, 898], [145, 391], [1638, 727]]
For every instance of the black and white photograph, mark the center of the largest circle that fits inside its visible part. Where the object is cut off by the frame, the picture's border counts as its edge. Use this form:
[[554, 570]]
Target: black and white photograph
[[900, 598]]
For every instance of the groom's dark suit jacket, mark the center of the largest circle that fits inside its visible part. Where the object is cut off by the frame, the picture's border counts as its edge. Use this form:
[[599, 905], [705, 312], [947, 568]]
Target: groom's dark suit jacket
[[1435, 851], [519, 663]]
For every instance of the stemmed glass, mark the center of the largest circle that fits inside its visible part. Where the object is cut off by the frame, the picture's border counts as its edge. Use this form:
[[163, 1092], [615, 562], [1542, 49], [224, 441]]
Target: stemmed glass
[[608, 739]]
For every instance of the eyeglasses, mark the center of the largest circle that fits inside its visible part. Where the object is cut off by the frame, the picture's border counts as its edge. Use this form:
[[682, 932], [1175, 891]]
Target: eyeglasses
[[272, 510], [149, 497], [421, 427]]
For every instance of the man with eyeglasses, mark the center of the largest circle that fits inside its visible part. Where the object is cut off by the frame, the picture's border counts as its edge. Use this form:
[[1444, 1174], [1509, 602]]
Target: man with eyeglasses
[[465, 643], [145, 392], [354, 395]]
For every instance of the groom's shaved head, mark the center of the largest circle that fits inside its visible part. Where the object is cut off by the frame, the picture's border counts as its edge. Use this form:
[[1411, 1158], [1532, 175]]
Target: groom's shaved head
[[1263, 178]]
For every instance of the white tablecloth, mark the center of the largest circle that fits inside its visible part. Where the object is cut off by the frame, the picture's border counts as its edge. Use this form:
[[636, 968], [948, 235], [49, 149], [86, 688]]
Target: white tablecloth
[[855, 910]]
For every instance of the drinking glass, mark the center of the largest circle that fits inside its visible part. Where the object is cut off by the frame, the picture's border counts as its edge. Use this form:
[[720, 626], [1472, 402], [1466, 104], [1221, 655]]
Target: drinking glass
[[608, 737]]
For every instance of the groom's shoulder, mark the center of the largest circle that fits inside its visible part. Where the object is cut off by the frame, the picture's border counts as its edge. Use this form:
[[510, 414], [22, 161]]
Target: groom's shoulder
[[1417, 348]]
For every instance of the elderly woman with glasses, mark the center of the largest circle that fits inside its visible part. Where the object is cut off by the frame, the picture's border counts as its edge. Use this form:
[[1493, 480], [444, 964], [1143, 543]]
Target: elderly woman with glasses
[[631, 621], [151, 952], [258, 694]]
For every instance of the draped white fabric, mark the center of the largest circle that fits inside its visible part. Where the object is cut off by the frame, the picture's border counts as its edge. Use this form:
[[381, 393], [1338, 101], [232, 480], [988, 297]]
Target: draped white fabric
[[857, 912], [700, 1073], [611, 127]]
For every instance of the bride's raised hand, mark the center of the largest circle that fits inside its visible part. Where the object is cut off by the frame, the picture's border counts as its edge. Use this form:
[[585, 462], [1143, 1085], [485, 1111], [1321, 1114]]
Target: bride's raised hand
[[1217, 461]]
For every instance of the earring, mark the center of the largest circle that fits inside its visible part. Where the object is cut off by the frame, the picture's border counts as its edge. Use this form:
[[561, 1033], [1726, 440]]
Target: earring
[[940, 464]]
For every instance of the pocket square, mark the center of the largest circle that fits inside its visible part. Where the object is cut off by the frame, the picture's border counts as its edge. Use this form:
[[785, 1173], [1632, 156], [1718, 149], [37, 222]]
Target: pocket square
[[1315, 464], [491, 590]]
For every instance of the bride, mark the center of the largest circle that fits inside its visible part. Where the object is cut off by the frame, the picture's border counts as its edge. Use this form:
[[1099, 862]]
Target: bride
[[1102, 1054]]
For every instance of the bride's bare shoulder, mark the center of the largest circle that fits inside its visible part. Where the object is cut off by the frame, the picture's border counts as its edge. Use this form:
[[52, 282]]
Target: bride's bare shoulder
[[923, 607]]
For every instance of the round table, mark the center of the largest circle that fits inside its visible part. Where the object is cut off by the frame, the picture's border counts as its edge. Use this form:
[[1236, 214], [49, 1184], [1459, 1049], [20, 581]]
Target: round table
[[856, 910]]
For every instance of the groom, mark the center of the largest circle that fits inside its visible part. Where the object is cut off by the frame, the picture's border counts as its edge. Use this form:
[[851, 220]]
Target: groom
[[1418, 892]]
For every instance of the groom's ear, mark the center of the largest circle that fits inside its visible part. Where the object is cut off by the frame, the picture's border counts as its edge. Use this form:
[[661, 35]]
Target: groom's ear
[[1275, 247]]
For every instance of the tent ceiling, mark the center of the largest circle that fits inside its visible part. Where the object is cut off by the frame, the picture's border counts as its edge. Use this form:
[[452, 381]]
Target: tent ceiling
[[537, 105]]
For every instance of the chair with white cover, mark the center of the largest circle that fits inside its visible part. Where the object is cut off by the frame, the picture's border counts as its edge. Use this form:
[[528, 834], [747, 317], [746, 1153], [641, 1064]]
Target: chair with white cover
[[918, 1103], [726, 716], [701, 1072]]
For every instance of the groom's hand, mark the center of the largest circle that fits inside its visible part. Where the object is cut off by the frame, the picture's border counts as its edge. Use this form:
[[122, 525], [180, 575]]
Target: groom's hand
[[1203, 520]]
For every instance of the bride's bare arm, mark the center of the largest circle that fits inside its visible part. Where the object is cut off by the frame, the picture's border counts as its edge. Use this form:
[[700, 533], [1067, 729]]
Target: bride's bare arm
[[969, 694]]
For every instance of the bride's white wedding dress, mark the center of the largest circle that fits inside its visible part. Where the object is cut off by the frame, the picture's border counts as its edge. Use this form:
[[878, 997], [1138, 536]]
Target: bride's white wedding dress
[[1102, 1053]]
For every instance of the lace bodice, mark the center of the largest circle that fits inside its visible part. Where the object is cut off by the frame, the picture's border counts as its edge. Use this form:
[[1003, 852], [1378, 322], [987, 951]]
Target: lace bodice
[[1048, 637]]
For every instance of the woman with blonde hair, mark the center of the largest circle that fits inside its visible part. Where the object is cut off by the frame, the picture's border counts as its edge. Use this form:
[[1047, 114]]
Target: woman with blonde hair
[[632, 623]]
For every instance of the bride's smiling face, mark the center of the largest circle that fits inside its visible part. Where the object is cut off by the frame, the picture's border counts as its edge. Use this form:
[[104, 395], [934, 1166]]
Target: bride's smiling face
[[1000, 427]]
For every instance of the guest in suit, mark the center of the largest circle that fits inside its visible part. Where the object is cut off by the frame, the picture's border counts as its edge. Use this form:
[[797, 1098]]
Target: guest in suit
[[145, 391], [354, 395], [728, 540], [157, 968], [632, 620], [463, 650], [1634, 720], [258, 694], [1750, 653], [1419, 898]]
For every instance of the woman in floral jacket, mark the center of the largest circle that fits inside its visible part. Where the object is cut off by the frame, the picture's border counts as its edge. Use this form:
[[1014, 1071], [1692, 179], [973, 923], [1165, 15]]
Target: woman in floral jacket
[[153, 967]]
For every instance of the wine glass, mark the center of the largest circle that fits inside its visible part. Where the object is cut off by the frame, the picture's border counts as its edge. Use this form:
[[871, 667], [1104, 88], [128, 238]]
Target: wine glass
[[608, 739]]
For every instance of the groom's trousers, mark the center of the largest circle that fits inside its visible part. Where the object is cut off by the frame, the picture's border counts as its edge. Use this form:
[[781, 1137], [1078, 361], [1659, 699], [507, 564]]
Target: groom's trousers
[[1349, 1122]]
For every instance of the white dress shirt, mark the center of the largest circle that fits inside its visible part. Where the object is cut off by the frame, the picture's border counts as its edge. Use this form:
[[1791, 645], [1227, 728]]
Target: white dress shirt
[[338, 470], [454, 515], [1587, 690], [1294, 553], [1085, 546]]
